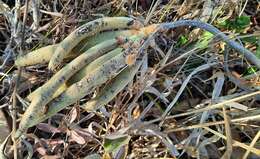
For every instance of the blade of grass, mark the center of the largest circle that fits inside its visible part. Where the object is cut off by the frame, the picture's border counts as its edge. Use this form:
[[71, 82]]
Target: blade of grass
[[235, 143], [210, 107], [251, 145], [229, 148]]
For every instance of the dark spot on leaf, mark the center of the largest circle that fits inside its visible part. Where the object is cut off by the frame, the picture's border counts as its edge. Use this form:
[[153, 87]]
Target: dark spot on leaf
[[130, 23], [96, 23]]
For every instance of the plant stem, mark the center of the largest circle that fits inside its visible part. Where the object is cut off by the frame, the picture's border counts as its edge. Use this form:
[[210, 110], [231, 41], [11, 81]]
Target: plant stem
[[210, 28]]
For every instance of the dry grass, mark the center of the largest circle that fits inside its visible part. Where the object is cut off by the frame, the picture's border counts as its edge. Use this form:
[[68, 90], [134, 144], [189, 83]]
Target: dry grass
[[193, 97]]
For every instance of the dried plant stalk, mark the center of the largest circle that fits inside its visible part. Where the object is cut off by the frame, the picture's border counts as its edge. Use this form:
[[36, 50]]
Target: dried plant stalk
[[70, 69], [85, 86], [38, 56], [92, 66], [61, 89], [115, 86], [44, 54], [46, 92], [80, 74], [86, 30]]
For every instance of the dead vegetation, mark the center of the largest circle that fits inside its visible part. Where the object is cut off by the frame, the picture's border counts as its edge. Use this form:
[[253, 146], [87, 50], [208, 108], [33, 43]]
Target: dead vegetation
[[168, 90]]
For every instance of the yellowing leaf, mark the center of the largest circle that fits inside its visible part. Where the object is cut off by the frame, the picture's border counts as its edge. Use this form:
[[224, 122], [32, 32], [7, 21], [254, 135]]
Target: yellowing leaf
[[112, 145]]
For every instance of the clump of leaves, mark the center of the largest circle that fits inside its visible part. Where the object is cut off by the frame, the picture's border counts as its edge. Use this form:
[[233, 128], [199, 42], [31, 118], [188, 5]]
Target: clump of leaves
[[238, 24]]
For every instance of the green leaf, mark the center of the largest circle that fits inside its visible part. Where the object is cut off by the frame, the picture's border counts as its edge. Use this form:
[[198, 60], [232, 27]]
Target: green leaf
[[250, 70], [182, 41], [242, 21], [251, 39], [113, 144], [204, 40], [238, 24], [222, 24]]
